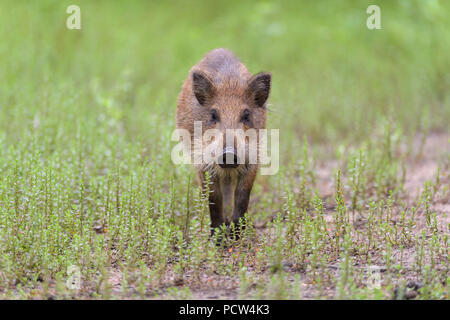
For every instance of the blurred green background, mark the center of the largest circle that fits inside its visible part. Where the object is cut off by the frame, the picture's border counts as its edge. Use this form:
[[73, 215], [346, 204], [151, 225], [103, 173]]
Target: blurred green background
[[333, 79]]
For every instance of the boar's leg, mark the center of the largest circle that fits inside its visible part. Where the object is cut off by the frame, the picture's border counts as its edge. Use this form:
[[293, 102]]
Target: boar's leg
[[242, 196], [215, 207], [215, 201]]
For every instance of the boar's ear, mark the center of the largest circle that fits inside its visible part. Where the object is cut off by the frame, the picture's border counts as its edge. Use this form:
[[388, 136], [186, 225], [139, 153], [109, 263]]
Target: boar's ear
[[259, 88], [202, 87]]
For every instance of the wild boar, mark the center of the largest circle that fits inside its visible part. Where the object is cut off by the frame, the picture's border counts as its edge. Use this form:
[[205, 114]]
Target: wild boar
[[221, 94]]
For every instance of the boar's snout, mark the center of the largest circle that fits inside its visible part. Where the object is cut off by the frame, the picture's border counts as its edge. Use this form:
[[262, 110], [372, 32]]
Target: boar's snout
[[228, 159]]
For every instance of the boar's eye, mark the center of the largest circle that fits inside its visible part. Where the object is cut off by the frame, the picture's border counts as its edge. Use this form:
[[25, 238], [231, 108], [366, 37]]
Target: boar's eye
[[214, 116], [245, 118]]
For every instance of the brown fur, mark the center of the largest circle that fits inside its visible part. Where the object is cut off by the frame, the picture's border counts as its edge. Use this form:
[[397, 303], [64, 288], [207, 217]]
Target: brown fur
[[221, 82]]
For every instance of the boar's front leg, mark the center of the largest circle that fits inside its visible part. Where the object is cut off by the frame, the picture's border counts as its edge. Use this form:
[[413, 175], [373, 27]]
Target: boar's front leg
[[242, 195], [215, 202], [215, 207]]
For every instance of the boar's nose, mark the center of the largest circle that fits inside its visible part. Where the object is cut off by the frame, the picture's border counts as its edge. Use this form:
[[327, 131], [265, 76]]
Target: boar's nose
[[228, 159]]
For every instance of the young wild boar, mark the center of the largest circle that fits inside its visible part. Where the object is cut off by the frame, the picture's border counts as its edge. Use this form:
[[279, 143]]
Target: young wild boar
[[221, 94]]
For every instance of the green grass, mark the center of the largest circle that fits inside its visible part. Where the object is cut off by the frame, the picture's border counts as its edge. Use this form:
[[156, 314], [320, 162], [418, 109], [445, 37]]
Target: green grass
[[86, 177]]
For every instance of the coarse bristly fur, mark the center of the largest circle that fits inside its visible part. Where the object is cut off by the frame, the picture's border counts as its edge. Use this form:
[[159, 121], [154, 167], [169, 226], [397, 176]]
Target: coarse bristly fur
[[221, 93]]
